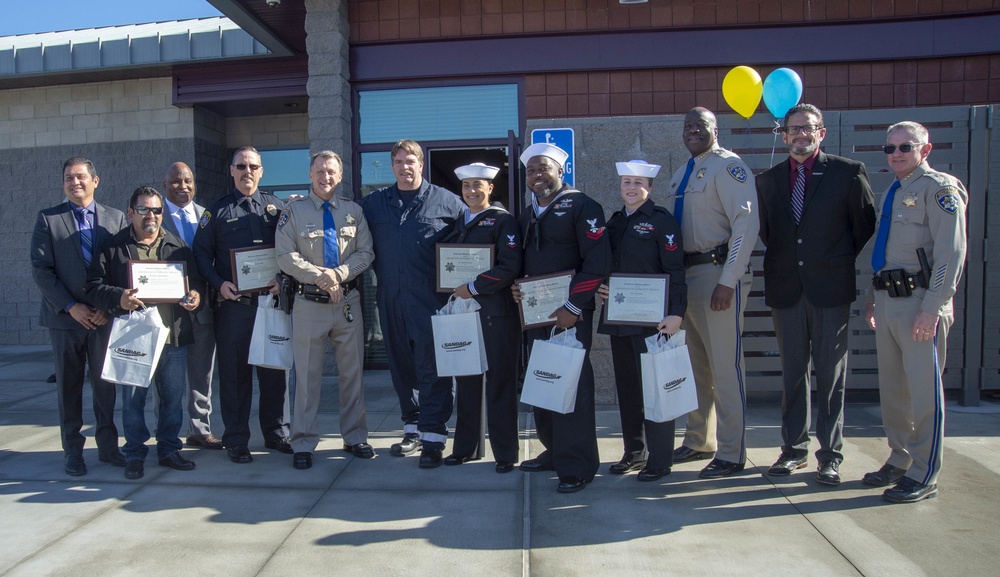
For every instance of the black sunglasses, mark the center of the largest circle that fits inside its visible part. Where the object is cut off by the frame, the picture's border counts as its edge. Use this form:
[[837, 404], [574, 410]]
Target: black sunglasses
[[144, 210], [904, 148], [253, 167]]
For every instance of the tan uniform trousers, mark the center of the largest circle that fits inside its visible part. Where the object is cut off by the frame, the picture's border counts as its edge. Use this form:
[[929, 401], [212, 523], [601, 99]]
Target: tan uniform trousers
[[715, 344], [312, 324], [910, 389]]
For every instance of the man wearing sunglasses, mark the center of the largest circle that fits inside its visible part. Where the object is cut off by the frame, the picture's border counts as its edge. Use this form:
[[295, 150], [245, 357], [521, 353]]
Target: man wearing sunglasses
[[918, 258], [244, 218], [816, 215], [107, 286]]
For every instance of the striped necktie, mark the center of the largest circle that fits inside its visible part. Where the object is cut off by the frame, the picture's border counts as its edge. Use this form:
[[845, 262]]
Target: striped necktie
[[83, 221], [799, 193]]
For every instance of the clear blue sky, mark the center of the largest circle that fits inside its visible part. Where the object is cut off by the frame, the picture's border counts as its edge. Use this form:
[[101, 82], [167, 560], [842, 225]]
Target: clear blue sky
[[30, 16]]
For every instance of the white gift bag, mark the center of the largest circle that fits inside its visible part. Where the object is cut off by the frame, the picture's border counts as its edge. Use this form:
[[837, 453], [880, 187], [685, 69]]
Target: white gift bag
[[459, 347], [668, 389], [271, 343], [553, 373], [134, 349]]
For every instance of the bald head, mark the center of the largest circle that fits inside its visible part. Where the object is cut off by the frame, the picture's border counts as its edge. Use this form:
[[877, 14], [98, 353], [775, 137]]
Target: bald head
[[179, 184], [700, 130]]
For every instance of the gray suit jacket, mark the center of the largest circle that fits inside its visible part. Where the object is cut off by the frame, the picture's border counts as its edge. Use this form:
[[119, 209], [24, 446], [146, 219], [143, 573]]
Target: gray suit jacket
[[204, 313], [57, 263]]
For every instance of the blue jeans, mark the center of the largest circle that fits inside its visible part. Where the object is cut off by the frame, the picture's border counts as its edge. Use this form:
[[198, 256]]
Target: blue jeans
[[170, 379]]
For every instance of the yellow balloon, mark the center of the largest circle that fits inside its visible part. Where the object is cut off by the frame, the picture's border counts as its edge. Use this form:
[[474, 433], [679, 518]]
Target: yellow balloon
[[742, 89]]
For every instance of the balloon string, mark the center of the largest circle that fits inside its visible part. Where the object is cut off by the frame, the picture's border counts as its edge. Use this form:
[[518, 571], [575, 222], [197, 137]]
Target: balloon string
[[774, 143], [749, 135]]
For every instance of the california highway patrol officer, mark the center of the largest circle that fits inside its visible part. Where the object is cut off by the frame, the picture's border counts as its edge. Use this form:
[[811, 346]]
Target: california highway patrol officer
[[324, 243], [712, 198], [563, 229], [918, 257], [244, 218], [645, 239]]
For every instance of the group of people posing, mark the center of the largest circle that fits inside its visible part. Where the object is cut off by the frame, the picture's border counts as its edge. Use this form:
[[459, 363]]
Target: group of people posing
[[814, 213]]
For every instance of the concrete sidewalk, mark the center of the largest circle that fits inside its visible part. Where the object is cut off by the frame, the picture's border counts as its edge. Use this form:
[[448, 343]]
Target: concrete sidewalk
[[347, 516]]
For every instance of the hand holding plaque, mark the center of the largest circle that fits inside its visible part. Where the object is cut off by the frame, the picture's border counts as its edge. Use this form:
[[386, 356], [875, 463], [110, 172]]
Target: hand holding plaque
[[158, 281], [541, 296]]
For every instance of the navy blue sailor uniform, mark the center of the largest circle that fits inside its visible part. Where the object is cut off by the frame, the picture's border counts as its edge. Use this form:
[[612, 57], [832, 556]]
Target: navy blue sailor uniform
[[405, 269], [569, 235], [648, 241], [236, 221], [502, 332]]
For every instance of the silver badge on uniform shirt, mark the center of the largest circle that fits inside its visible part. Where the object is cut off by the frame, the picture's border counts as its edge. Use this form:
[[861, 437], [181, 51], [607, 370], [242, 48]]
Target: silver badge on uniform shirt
[[272, 210], [350, 219], [701, 173]]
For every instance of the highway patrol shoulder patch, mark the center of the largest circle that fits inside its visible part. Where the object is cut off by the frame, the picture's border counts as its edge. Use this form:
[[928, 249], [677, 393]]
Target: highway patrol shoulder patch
[[947, 199], [205, 217], [737, 171], [283, 219]]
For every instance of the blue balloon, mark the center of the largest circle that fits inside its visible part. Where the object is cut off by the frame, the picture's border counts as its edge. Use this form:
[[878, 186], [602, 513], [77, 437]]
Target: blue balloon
[[782, 90]]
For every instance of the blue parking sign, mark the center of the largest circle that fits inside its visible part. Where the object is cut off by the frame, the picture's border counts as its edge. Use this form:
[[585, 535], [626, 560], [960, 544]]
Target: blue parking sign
[[563, 138]]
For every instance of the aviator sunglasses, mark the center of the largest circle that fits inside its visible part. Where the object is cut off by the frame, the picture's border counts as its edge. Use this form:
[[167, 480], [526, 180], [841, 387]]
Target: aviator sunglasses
[[144, 210], [904, 148]]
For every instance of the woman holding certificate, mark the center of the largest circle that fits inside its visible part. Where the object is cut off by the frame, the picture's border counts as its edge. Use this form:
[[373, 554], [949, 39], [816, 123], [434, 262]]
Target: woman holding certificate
[[645, 240], [489, 224]]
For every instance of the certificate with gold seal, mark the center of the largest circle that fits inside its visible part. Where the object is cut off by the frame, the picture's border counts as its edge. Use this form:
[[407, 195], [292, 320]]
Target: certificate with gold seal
[[158, 281], [637, 299], [540, 297], [253, 268], [458, 264]]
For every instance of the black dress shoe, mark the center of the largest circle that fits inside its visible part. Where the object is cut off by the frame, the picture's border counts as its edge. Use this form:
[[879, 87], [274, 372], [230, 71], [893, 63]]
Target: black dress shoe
[[787, 463], [628, 463], [504, 467], [648, 474], [279, 444], [133, 470], [571, 485], [719, 468], [910, 491], [828, 473], [535, 466], [452, 460], [411, 442], [683, 454], [239, 454], [302, 460], [177, 462], [116, 459], [361, 450], [884, 477], [208, 441], [430, 458], [75, 467]]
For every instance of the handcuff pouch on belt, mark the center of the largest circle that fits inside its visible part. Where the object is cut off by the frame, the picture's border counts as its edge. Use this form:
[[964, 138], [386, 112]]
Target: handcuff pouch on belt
[[897, 283], [716, 256]]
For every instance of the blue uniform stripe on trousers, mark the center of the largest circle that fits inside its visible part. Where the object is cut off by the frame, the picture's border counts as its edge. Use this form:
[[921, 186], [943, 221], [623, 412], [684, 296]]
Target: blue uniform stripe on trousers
[[738, 309], [938, 419]]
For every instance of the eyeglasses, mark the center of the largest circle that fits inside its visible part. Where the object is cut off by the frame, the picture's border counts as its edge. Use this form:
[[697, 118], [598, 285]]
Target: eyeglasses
[[252, 167], [807, 129], [144, 210], [904, 148]]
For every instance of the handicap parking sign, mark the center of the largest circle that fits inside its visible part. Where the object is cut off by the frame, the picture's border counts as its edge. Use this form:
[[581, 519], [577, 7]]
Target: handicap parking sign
[[563, 138]]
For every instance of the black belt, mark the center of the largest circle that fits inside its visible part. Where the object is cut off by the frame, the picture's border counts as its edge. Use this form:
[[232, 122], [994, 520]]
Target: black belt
[[313, 293], [897, 282], [715, 256], [249, 300]]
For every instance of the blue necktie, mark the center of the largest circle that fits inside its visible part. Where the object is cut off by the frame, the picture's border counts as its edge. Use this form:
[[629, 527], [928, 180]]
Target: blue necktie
[[331, 253], [188, 228], [878, 254], [679, 203], [86, 234]]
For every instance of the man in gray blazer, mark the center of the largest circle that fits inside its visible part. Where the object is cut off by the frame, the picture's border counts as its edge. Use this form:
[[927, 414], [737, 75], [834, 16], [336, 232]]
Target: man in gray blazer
[[182, 220], [65, 239]]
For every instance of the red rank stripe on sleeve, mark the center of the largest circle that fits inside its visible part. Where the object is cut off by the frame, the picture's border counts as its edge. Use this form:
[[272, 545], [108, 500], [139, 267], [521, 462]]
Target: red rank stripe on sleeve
[[585, 286], [489, 277], [595, 234]]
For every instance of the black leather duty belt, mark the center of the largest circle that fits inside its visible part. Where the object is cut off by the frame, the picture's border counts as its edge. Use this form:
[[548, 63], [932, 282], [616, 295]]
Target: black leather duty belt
[[898, 283], [715, 256], [313, 293]]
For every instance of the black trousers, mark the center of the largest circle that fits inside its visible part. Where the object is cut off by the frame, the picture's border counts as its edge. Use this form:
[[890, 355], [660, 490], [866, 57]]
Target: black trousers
[[639, 435], [503, 345], [233, 331], [570, 440], [73, 349]]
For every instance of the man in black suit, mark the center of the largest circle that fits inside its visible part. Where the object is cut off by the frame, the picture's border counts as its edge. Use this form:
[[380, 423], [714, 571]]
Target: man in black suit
[[66, 238], [816, 214]]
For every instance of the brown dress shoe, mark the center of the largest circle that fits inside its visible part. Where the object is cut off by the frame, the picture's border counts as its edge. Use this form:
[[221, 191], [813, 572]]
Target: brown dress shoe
[[208, 441]]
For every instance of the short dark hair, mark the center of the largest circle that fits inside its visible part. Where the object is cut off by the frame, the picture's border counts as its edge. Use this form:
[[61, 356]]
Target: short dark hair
[[80, 160], [803, 107], [243, 149], [144, 191]]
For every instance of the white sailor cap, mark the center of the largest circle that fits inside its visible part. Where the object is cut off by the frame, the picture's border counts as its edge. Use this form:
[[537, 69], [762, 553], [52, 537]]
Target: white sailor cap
[[476, 170], [544, 149], [637, 168]]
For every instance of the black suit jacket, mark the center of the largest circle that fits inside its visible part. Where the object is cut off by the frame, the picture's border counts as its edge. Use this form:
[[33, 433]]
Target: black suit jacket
[[815, 257], [57, 263]]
